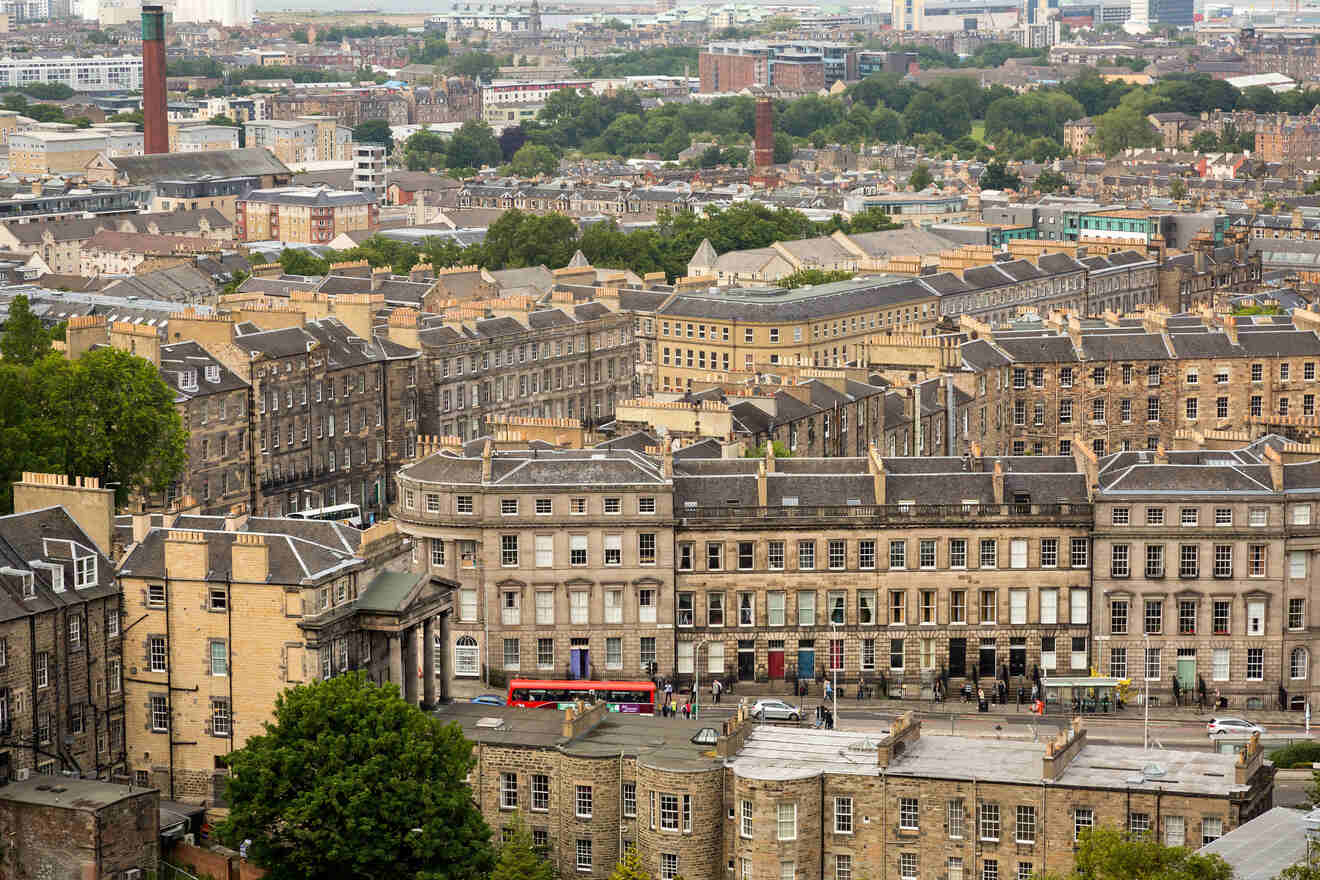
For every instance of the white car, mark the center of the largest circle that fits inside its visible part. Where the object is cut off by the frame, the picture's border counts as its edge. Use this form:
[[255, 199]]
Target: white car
[[766, 710], [1239, 726]]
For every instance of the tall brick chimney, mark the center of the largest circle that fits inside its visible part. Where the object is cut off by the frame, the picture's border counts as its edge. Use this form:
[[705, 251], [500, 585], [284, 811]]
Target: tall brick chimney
[[155, 128], [764, 155]]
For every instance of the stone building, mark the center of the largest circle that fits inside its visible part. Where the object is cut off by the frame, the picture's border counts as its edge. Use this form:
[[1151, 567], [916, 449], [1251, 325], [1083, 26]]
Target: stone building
[[562, 561], [759, 801], [1132, 383], [61, 672], [233, 610], [1204, 574]]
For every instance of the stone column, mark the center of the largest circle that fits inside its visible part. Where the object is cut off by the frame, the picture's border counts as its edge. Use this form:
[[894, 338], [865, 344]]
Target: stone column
[[416, 672], [428, 662], [396, 660]]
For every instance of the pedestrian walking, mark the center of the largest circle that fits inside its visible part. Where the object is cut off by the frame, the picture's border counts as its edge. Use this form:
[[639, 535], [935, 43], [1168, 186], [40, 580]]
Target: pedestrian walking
[[687, 710]]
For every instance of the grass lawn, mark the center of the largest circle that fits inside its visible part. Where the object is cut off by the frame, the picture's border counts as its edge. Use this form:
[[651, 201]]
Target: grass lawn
[[978, 131]]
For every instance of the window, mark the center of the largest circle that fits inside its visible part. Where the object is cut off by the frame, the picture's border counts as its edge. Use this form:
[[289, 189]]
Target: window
[[989, 553], [1223, 560], [787, 821], [1175, 831], [1154, 616], [1212, 828], [613, 548], [897, 607], [989, 821], [220, 719], [842, 867], [219, 659], [156, 654], [806, 555], [582, 802], [714, 556], [1017, 607], [463, 503], [907, 866], [1017, 553], [668, 866], [747, 555], [843, 815], [1083, 820], [545, 652], [509, 550], [512, 651], [629, 799], [1255, 618], [954, 868], [1077, 605], [745, 825], [1255, 664], [957, 606], [1296, 614], [1118, 662], [908, 814], [467, 657], [669, 812], [955, 814], [1079, 553], [1118, 617], [1118, 561], [989, 606], [583, 851], [1152, 664], [1189, 561], [544, 546], [613, 505], [957, 552], [1297, 663], [1256, 558], [508, 507], [1049, 552], [1258, 517], [1025, 828], [897, 554], [160, 713], [1118, 516]]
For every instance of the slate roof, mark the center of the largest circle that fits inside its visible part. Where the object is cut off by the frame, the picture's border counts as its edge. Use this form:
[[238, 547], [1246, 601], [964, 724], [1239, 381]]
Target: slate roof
[[189, 356], [293, 560], [45, 535], [243, 162], [805, 303]]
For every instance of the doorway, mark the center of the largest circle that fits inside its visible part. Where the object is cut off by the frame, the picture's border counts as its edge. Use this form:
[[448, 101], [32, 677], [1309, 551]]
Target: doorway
[[987, 665], [746, 659], [1187, 670], [579, 660], [957, 658], [1017, 656], [775, 659], [806, 659]]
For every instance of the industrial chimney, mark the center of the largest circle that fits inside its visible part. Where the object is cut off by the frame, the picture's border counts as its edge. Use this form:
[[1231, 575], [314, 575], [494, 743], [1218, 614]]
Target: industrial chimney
[[764, 156], [155, 128]]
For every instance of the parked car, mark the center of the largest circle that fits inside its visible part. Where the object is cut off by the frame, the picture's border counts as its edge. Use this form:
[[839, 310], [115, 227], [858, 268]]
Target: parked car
[[489, 699], [1239, 726], [778, 710]]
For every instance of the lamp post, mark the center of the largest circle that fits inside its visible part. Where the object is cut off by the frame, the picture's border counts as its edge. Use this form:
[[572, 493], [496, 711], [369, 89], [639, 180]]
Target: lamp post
[[696, 671], [834, 671], [1145, 675]]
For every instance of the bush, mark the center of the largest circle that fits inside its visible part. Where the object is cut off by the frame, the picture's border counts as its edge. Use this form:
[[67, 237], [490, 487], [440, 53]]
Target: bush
[[1296, 755]]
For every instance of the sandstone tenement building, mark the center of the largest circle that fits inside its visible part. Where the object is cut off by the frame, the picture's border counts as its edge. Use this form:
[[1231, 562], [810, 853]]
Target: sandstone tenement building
[[759, 801]]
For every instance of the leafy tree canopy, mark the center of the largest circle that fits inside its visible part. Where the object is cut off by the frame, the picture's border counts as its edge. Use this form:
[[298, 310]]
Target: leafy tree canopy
[[351, 781], [374, 131], [23, 341], [1109, 854]]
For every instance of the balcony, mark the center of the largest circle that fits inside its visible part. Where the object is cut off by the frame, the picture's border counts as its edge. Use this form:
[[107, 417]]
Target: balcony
[[899, 514]]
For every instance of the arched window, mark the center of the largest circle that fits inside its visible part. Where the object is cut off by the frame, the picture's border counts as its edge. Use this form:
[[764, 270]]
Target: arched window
[[1297, 663], [467, 657]]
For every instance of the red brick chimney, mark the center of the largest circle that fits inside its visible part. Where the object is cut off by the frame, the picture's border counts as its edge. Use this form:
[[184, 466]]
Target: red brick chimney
[[155, 127]]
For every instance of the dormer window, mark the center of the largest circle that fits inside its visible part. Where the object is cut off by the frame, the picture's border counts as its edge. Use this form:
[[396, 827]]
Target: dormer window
[[188, 380], [84, 571], [56, 572], [213, 373], [26, 583]]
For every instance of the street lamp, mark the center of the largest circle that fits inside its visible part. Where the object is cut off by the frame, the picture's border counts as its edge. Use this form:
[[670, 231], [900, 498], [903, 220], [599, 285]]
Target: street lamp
[[696, 671], [834, 670], [1145, 674]]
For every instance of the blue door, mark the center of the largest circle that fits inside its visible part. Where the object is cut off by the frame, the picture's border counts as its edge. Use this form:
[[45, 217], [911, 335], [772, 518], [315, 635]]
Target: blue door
[[579, 663], [806, 662]]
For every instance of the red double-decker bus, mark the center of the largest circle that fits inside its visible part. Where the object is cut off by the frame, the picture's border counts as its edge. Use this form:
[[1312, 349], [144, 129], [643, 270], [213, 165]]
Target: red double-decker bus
[[628, 697]]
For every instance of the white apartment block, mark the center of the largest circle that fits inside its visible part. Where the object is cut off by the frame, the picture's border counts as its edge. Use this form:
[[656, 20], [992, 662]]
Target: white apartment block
[[95, 74]]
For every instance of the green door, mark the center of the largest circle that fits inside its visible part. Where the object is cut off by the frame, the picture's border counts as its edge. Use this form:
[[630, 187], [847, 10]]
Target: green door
[[1187, 674]]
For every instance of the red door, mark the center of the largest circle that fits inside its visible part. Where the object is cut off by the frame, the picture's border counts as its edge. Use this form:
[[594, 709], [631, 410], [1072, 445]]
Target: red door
[[776, 662]]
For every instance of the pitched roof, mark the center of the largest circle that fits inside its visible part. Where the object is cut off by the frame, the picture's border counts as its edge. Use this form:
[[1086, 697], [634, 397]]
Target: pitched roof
[[243, 162]]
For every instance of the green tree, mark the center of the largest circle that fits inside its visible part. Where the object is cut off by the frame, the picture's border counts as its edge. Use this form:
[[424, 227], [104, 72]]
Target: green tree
[[921, 177], [996, 176], [296, 261], [1301, 871], [1205, 142], [352, 781], [425, 150], [534, 159], [478, 65], [871, 220], [783, 148], [781, 451], [1050, 181], [24, 340], [806, 277], [1177, 189], [517, 858], [473, 146], [374, 131], [1123, 128], [517, 239], [630, 867], [1109, 854]]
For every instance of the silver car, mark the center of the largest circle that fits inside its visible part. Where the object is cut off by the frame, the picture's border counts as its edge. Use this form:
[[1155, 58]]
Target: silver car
[[776, 710], [1240, 726]]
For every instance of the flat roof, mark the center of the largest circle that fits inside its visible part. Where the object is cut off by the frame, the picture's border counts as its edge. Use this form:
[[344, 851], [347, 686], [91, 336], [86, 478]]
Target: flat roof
[[68, 793]]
